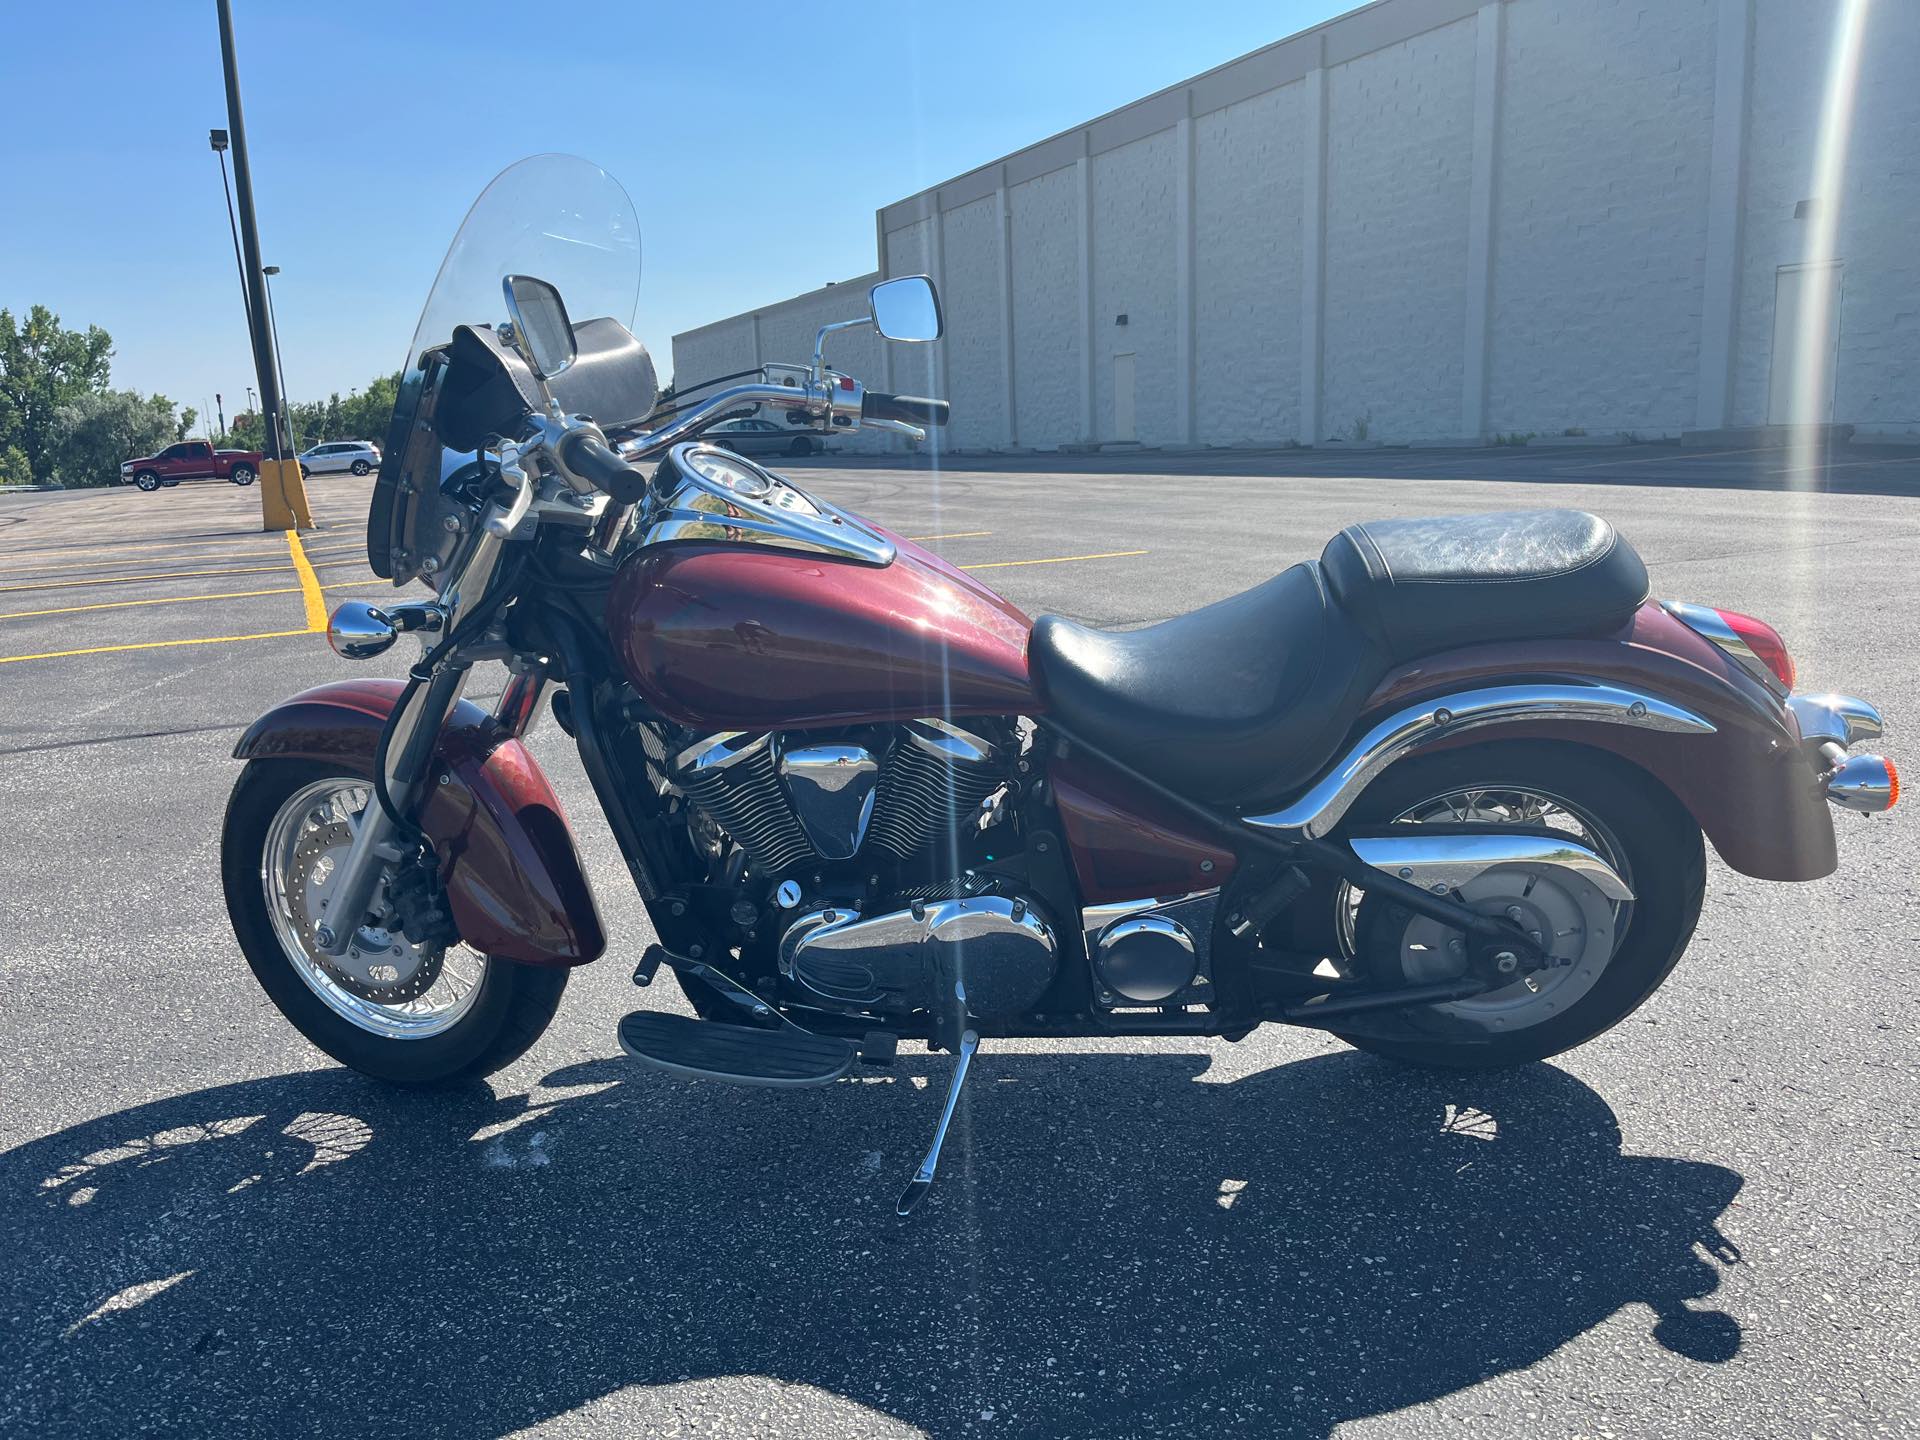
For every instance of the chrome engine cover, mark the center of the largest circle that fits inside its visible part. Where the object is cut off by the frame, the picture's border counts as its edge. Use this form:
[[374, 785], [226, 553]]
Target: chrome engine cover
[[995, 947]]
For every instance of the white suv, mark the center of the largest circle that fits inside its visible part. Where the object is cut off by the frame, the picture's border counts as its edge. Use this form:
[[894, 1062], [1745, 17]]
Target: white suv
[[359, 456]]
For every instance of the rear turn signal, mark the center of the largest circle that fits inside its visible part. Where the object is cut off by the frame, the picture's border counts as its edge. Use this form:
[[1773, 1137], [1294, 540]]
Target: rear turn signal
[[1754, 643]]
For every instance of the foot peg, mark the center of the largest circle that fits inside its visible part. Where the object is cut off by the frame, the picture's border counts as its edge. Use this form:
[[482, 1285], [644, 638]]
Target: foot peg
[[787, 1058], [922, 1181]]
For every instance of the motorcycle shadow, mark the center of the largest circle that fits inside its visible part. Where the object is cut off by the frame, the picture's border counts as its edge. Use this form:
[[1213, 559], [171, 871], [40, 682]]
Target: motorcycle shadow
[[1115, 1246]]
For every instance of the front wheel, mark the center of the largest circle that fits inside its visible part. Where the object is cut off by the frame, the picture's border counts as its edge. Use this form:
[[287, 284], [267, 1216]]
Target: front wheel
[[391, 1007], [800, 445], [242, 475], [147, 481], [1607, 956]]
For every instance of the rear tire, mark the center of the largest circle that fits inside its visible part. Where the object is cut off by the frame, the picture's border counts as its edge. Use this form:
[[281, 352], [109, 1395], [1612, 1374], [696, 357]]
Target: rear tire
[[1662, 858], [242, 475], [801, 446], [514, 1003], [360, 467]]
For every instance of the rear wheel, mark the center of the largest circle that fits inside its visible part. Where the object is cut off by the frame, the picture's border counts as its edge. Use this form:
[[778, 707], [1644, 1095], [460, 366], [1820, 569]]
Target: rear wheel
[[395, 1008], [1608, 956], [361, 467], [243, 475], [801, 446]]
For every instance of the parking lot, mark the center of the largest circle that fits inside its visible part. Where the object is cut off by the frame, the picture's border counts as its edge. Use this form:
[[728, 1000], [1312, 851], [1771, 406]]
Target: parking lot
[[1702, 1224]]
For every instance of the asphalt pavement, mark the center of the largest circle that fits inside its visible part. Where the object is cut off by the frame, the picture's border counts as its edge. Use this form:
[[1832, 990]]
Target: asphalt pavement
[[1701, 1224]]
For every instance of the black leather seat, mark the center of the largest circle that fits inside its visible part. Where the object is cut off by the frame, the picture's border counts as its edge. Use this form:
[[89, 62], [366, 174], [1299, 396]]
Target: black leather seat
[[1250, 697], [1423, 585]]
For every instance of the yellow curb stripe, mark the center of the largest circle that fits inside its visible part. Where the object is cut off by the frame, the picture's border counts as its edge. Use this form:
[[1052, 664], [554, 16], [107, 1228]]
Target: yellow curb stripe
[[309, 583], [151, 645], [1055, 560]]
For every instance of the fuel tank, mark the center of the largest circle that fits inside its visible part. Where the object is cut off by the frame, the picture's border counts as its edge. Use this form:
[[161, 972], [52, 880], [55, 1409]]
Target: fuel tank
[[731, 636]]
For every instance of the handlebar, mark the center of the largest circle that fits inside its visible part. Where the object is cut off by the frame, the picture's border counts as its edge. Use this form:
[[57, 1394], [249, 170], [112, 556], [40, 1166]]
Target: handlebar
[[909, 409], [586, 456]]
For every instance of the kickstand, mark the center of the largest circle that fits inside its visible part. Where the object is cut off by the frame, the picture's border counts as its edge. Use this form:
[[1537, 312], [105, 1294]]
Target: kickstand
[[922, 1181], [964, 1048]]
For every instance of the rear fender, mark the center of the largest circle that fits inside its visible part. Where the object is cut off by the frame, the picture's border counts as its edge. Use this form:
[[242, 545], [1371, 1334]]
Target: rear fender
[[1747, 784], [507, 857]]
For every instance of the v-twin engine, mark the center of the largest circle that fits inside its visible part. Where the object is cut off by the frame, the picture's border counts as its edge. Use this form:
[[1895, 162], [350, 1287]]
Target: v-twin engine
[[792, 799]]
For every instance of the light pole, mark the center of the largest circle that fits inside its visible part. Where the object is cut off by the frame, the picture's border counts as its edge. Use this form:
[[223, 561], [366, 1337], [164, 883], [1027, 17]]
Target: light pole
[[273, 324], [218, 140], [283, 498], [219, 410], [252, 403]]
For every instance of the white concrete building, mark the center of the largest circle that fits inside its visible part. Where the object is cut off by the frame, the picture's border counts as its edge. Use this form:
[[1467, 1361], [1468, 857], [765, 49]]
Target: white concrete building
[[1431, 220]]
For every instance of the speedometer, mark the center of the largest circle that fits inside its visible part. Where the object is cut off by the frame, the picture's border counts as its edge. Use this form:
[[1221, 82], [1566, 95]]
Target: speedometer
[[731, 473]]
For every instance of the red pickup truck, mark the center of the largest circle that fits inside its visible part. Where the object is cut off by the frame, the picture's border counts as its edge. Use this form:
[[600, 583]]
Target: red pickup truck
[[191, 460]]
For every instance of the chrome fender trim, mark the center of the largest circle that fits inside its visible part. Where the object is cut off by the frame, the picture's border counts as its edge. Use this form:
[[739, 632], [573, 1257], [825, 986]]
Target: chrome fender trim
[[1446, 862], [1330, 797], [1843, 719]]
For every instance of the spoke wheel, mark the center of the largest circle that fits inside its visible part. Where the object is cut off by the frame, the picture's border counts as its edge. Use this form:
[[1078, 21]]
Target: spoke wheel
[[385, 984], [1607, 957], [392, 1008]]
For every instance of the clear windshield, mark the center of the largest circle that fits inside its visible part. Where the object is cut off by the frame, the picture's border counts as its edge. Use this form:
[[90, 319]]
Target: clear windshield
[[556, 217]]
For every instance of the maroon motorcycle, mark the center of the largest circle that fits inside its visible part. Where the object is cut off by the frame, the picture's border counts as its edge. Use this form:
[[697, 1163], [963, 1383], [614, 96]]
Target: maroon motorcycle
[[1441, 793]]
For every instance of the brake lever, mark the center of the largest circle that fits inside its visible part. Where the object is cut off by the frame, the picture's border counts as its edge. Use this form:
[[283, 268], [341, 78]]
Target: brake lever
[[501, 525], [899, 427]]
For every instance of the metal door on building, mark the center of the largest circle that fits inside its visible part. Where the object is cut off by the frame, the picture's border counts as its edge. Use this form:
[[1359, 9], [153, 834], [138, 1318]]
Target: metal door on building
[[1123, 395], [1806, 343]]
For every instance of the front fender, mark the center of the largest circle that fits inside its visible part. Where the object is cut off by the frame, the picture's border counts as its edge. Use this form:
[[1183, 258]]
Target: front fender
[[507, 858]]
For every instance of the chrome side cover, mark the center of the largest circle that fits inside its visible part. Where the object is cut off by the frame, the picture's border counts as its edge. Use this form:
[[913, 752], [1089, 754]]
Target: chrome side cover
[[1329, 798], [994, 945], [1448, 862]]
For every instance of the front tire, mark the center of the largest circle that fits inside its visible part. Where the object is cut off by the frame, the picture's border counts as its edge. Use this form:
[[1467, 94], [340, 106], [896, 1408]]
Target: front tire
[[475, 1032], [147, 481], [801, 446], [1655, 846]]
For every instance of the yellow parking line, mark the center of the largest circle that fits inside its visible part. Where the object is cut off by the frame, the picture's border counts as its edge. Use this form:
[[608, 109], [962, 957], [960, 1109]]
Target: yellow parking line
[[951, 535], [309, 583], [161, 600], [1055, 560], [178, 600], [163, 575], [151, 645], [135, 555]]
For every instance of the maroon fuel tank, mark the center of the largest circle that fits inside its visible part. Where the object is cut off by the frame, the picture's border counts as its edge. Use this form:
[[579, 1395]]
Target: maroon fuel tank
[[751, 637]]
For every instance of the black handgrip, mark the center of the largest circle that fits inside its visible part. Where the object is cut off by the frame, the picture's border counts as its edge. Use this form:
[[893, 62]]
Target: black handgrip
[[586, 456], [914, 409]]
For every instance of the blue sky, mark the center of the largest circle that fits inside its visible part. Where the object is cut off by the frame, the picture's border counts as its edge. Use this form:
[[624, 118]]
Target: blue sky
[[373, 126]]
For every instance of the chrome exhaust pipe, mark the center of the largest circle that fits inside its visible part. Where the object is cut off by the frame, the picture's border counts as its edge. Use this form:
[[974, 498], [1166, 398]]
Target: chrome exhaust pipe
[[1867, 784]]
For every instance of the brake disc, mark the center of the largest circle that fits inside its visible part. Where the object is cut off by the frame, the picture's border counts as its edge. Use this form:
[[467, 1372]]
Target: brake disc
[[380, 965]]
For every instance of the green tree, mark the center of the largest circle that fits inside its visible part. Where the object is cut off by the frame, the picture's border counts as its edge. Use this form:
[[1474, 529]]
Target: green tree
[[43, 366], [183, 427], [92, 433]]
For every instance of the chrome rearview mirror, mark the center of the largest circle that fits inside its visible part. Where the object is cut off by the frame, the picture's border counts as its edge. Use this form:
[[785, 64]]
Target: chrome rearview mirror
[[541, 331], [906, 308]]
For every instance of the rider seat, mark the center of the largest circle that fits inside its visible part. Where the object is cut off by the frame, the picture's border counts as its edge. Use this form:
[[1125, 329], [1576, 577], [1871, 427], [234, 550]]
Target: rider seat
[[1248, 698]]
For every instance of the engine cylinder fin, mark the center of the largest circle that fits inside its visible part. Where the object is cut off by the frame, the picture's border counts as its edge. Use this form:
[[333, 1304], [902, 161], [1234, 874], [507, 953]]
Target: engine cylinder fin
[[744, 799], [920, 795]]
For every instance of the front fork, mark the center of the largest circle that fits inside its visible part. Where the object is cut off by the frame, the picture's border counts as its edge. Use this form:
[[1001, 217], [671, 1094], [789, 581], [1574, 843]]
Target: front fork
[[415, 728]]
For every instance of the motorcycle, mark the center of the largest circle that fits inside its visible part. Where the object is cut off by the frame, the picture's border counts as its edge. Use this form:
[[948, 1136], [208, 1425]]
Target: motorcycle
[[1442, 793]]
